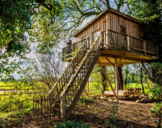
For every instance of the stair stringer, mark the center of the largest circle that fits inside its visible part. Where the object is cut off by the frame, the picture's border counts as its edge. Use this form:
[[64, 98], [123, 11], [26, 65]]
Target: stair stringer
[[82, 86]]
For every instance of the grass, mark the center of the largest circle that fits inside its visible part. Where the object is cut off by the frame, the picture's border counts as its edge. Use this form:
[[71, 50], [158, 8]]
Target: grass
[[7, 85]]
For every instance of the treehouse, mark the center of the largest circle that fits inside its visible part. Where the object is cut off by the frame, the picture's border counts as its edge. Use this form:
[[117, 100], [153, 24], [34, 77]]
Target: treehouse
[[111, 38]]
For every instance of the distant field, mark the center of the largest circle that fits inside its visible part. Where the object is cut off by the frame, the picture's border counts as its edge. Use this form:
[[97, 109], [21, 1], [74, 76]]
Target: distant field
[[7, 85]]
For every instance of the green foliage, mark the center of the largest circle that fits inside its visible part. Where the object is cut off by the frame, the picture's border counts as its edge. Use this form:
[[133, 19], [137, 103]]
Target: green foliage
[[72, 125], [148, 11], [86, 100], [156, 91], [21, 102], [18, 21], [46, 33], [12, 34]]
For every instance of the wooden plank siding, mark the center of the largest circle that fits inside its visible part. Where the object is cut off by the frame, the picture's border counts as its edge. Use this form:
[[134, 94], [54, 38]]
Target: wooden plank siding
[[116, 42], [114, 23]]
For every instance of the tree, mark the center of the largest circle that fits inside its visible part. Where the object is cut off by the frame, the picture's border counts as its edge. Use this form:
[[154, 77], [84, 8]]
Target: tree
[[47, 69], [104, 84], [76, 11], [156, 91], [150, 12], [16, 21]]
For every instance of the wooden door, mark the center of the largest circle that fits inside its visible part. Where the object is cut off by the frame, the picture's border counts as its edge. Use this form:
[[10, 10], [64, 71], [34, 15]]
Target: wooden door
[[123, 36]]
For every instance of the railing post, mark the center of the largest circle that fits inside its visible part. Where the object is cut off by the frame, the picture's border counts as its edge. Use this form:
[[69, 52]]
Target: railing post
[[128, 44], [62, 106], [107, 38], [144, 47]]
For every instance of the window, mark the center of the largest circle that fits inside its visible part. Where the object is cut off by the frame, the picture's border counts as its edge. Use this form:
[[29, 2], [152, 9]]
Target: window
[[123, 36], [95, 35], [83, 39], [123, 30]]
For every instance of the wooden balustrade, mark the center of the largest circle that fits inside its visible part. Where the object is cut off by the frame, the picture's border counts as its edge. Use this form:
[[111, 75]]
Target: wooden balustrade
[[72, 89], [67, 74], [72, 49], [131, 44], [115, 40]]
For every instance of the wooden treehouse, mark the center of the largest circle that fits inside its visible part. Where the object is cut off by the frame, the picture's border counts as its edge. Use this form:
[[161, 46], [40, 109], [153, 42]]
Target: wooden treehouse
[[111, 38]]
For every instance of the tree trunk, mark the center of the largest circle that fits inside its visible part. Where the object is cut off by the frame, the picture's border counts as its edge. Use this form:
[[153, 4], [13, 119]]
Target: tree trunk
[[126, 80], [120, 86], [141, 76], [160, 51], [103, 80]]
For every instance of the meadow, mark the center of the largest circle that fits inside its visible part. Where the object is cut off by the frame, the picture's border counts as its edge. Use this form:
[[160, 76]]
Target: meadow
[[15, 104]]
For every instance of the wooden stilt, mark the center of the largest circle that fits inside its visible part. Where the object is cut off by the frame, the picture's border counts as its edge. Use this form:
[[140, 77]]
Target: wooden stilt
[[145, 70], [116, 78], [88, 88], [110, 61], [121, 59], [107, 78], [120, 80]]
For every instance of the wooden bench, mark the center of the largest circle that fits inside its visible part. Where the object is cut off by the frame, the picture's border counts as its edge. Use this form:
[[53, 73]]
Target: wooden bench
[[136, 91]]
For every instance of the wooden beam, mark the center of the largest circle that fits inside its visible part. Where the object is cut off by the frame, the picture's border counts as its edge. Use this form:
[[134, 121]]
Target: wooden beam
[[139, 59], [86, 92], [116, 78], [107, 78], [108, 64], [88, 87], [146, 70], [110, 61], [62, 106], [121, 59]]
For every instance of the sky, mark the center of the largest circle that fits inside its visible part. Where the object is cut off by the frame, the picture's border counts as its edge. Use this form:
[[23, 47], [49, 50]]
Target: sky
[[62, 44]]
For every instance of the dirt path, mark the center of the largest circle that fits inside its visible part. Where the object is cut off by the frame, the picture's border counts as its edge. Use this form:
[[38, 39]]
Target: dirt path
[[131, 114]]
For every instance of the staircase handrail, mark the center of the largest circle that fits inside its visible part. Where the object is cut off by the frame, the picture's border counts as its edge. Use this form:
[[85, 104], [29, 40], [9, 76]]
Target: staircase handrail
[[67, 67], [79, 67]]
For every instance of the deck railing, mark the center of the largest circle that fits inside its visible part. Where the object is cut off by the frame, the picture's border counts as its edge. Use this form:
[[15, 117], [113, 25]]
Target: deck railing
[[131, 44], [72, 49], [118, 41]]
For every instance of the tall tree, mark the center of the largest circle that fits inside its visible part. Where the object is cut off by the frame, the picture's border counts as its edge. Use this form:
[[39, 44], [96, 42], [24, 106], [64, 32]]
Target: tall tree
[[76, 11], [16, 20], [150, 12]]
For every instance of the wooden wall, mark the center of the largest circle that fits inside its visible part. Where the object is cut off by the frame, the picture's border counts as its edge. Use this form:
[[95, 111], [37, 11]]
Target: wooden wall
[[113, 22], [132, 28]]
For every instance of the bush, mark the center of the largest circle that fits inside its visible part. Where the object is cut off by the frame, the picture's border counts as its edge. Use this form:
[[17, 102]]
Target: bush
[[72, 125]]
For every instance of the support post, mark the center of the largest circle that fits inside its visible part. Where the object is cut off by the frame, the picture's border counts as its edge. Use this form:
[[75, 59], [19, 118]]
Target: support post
[[120, 78], [146, 70], [144, 47], [128, 41], [107, 40], [88, 88], [107, 78], [62, 106], [110, 61], [116, 78]]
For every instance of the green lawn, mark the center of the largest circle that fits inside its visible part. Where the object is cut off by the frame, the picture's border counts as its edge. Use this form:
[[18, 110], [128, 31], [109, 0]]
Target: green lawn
[[6, 85]]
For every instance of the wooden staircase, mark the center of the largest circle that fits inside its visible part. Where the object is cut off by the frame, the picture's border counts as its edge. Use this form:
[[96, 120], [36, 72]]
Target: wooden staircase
[[69, 87]]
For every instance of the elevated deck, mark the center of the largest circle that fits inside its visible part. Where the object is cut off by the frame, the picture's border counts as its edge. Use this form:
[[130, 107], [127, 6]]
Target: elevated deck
[[127, 49]]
